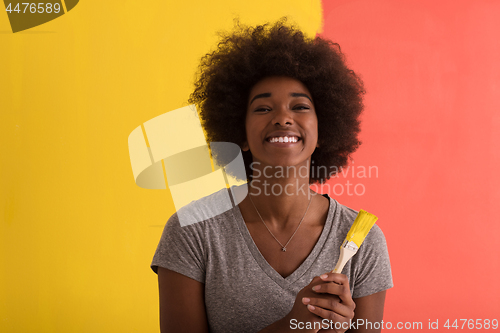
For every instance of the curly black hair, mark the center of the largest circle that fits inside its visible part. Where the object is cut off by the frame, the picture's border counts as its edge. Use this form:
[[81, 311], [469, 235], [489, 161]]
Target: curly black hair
[[249, 54]]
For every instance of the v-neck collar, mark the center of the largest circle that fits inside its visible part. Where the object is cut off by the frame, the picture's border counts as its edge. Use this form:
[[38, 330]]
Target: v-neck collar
[[306, 264]]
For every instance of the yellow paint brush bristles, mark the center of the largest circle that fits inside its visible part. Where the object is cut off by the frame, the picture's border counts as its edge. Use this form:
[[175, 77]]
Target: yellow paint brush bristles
[[360, 228]]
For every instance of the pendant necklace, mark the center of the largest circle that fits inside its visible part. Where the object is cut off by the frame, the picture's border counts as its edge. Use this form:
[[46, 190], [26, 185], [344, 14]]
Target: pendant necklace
[[283, 247]]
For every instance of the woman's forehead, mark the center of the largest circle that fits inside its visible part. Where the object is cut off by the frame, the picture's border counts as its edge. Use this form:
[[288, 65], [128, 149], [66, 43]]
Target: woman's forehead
[[279, 85]]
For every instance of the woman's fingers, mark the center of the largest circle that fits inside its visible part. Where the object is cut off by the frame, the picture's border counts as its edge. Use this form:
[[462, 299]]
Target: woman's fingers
[[339, 287], [335, 277], [330, 298], [326, 314], [328, 307]]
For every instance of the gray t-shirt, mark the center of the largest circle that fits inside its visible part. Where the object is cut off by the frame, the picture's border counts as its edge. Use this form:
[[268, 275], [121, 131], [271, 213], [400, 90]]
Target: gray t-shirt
[[243, 293]]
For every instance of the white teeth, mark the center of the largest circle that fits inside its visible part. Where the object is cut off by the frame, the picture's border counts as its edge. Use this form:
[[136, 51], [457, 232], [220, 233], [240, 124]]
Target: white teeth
[[284, 139]]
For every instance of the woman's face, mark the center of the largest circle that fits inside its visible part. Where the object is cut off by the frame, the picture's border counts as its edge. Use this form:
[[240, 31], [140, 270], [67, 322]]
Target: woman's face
[[281, 122]]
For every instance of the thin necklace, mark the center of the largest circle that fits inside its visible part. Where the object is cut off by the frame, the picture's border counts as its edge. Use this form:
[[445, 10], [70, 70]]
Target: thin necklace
[[283, 247]]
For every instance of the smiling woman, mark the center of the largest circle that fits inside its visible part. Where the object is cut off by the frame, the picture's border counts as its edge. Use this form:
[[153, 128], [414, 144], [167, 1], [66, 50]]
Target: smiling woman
[[263, 265]]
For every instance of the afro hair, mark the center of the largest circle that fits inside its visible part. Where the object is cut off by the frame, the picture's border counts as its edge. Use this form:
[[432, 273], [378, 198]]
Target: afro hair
[[249, 54]]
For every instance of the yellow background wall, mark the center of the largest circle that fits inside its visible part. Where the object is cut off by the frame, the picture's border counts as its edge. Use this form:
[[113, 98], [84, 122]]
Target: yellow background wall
[[76, 234]]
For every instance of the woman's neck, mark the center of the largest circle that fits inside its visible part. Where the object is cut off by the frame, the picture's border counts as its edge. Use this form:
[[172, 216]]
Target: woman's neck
[[281, 194]]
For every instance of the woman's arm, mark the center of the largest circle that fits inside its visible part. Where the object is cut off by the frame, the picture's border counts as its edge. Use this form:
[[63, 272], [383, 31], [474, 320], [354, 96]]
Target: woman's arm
[[182, 306], [182, 303]]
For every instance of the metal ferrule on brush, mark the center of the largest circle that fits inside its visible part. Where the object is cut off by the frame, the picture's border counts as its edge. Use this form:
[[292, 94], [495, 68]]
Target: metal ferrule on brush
[[350, 245], [347, 250]]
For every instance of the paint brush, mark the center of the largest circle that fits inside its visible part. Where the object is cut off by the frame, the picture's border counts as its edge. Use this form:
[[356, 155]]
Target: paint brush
[[360, 228]]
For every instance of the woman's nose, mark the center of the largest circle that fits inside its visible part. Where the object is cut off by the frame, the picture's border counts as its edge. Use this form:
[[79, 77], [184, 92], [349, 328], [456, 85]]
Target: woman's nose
[[282, 116]]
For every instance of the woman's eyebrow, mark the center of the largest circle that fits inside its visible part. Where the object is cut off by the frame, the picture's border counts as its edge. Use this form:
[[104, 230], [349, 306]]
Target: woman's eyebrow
[[264, 95], [300, 95]]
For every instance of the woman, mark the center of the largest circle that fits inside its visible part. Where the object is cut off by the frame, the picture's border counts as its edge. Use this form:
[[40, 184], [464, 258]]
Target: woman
[[292, 105]]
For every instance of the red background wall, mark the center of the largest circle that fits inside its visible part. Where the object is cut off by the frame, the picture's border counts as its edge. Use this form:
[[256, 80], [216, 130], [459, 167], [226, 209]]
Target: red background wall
[[432, 127]]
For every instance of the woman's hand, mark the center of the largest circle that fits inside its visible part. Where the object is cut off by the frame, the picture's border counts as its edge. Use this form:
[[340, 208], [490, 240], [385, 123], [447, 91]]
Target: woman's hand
[[331, 300], [325, 298], [300, 318]]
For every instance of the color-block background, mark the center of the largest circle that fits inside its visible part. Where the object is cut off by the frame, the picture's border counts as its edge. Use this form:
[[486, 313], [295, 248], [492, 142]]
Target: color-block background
[[77, 235]]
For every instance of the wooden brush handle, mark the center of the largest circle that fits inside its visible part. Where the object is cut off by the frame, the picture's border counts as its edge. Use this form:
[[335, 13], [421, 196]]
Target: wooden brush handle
[[346, 253]]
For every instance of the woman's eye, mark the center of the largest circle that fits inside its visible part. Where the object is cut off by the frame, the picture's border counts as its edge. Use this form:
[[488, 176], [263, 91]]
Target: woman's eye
[[301, 107], [262, 110]]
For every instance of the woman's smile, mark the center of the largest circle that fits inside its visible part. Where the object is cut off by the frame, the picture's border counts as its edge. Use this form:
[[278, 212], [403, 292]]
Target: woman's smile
[[283, 138]]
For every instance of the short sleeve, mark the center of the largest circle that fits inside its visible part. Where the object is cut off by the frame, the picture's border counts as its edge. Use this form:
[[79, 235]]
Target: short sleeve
[[181, 250], [372, 267]]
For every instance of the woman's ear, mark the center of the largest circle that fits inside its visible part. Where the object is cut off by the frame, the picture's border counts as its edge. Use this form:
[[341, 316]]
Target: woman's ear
[[245, 147]]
